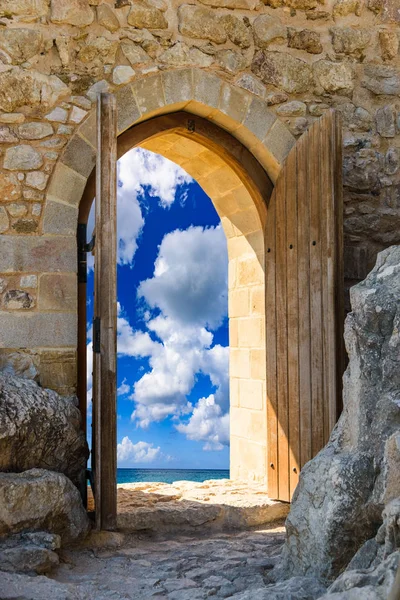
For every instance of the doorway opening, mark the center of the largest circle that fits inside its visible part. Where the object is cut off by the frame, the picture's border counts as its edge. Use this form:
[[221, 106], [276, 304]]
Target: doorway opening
[[239, 189]]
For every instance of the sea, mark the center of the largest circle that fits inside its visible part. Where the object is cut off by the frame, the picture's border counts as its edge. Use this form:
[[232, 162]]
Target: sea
[[170, 475]]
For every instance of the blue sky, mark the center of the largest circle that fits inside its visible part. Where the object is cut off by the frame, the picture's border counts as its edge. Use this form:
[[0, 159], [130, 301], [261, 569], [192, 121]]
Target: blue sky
[[173, 396]]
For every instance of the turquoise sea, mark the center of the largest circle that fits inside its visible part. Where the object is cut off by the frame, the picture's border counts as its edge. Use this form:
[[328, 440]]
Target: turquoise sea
[[169, 475]]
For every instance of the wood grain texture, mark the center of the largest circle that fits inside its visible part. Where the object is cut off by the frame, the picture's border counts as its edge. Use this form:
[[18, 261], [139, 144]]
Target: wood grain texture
[[304, 291], [105, 308]]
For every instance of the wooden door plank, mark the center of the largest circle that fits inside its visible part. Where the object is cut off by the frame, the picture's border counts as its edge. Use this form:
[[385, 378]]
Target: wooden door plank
[[339, 266], [281, 317], [270, 305], [292, 321], [326, 142], [106, 312], [315, 291], [303, 195]]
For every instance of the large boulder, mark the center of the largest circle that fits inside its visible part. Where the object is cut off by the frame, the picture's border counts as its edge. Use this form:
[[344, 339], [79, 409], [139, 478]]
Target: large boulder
[[39, 428], [40, 500], [338, 503]]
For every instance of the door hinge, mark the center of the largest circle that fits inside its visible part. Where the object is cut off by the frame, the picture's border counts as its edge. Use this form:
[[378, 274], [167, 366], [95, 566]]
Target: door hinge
[[83, 248], [96, 335]]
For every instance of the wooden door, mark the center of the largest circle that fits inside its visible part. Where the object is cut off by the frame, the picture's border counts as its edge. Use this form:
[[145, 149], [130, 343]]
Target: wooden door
[[304, 304], [104, 440]]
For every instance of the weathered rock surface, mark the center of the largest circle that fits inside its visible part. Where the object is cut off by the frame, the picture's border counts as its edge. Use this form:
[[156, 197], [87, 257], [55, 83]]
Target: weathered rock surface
[[189, 506], [39, 428], [283, 70], [341, 493], [29, 552], [39, 500]]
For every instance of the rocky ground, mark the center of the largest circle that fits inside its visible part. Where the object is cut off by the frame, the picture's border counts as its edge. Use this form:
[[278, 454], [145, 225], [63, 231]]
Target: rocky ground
[[141, 567], [186, 506]]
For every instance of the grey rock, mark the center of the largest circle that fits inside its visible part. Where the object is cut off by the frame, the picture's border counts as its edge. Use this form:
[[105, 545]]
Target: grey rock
[[29, 552], [22, 157], [24, 587], [40, 500], [283, 70], [39, 428], [338, 503], [296, 588]]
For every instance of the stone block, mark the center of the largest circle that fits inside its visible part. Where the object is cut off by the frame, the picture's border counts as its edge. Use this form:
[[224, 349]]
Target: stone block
[[149, 94], [58, 371], [201, 23], [145, 16], [247, 221], [258, 364], [257, 300], [251, 394], [26, 254], [239, 363], [248, 424], [239, 303], [79, 156], [247, 460], [38, 330], [127, 109], [233, 102], [250, 271], [58, 291], [259, 119], [178, 86], [251, 332], [206, 88], [279, 141], [60, 218], [66, 185]]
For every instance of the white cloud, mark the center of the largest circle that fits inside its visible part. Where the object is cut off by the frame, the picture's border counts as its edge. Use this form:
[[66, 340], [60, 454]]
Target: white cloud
[[141, 452], [189, 288], [139, 169], [123, 389], [190, 283], [207, 424]]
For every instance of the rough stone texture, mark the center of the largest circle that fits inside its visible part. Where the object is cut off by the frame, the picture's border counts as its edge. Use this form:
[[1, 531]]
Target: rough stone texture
[[213, 505], [334, 77], [341, 493], [282, 70], [21, 44], [29, 552], [307, 40], [28, 412], [144, 15], [72, 12], [178, 568], [40, 500], [198, 22], [349, 41], [22, 157], [267, 29]]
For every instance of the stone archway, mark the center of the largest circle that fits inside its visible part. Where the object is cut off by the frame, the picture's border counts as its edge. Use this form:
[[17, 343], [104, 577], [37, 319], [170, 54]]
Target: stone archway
[[236, 169]]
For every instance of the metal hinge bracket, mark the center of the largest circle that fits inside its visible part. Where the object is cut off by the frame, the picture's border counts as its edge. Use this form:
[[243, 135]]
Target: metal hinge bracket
[[96, 335], [83, 248]]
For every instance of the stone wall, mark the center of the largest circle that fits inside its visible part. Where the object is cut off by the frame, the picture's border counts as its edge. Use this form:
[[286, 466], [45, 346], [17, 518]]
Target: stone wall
[[299, 57]]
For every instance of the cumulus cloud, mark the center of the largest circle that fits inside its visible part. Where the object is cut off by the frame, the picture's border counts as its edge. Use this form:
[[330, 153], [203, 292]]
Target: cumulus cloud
[[207, 424], [189, 283], [138, 170], [141, 452], [188, 290]]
